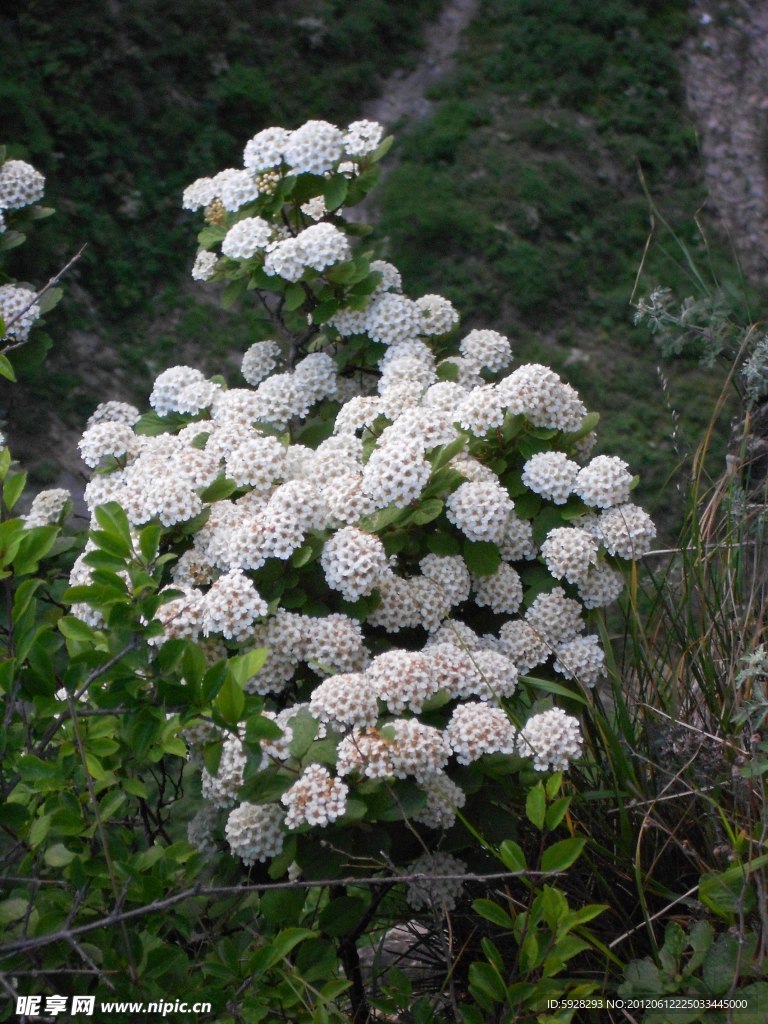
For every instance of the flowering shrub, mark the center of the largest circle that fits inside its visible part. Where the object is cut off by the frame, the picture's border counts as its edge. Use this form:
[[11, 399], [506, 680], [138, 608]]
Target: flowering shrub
[[407, 526]]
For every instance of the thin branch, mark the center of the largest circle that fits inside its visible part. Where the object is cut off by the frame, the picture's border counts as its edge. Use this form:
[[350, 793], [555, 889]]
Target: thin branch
[[38, 295], [119, 917]]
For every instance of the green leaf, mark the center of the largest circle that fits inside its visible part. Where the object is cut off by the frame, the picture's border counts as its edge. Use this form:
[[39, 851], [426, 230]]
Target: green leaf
[[382, 518], [50, 299], [6, 370], [114, 522], [547, 686], [266, 787], [721, 967], [219, 489], [294, 297], [442, 456], [152, 424], [304, 729], [536, 806], [426, 512], [588, 424], [447, 371], [58, 856], [245, 666], [13, 487], [443, 543], [581, 916], [483, 558], [75, 629], [382, 149], [512, 856], [32, 547], [259, 728], [211, 234], [342, 915], [13, 910], [282, 906], [560, 856], [492, 912], [302, 556], [488, 980], [553, 784], [287, 940], [557, 812], [230, 700], [233, 292], [335, 191]]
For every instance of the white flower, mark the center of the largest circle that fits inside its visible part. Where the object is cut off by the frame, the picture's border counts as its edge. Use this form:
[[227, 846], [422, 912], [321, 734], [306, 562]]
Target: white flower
[[487, 350], [235, 188], [255, 832], [582, 659], [246, 238], [204, 266], [362, 137], [502, 591], [392, 318], [259, 361], [402, 679], [322, 245], [552, 475], [353, 562], [604, 482], [199, 194], [569, 552], [480, 510], [481, 410], [396, 475], [626, 531], [20, 185], [444, 798], [436, 893], [438, 314], [169, 384], [537, 393], [314, 148], [118, 412], [19, 311], [47, 507], [523, 644], [107, 438], [555, 617], [552, 739], [232, 605], [601, 586], [475, 729], [221, 789], [265, 150], [285, 259], [344, 701], [316, 799]]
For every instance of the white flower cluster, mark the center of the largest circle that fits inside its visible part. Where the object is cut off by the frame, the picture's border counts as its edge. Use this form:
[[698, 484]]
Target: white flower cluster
[[20, 185], [552, 739], [440, 889], [18, 310], [255, 832], [417, 512], [47, 507], [315, 799]]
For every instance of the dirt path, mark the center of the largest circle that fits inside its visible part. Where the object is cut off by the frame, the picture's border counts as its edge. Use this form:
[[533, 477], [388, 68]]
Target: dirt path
[[725, 69], [403, 94]]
